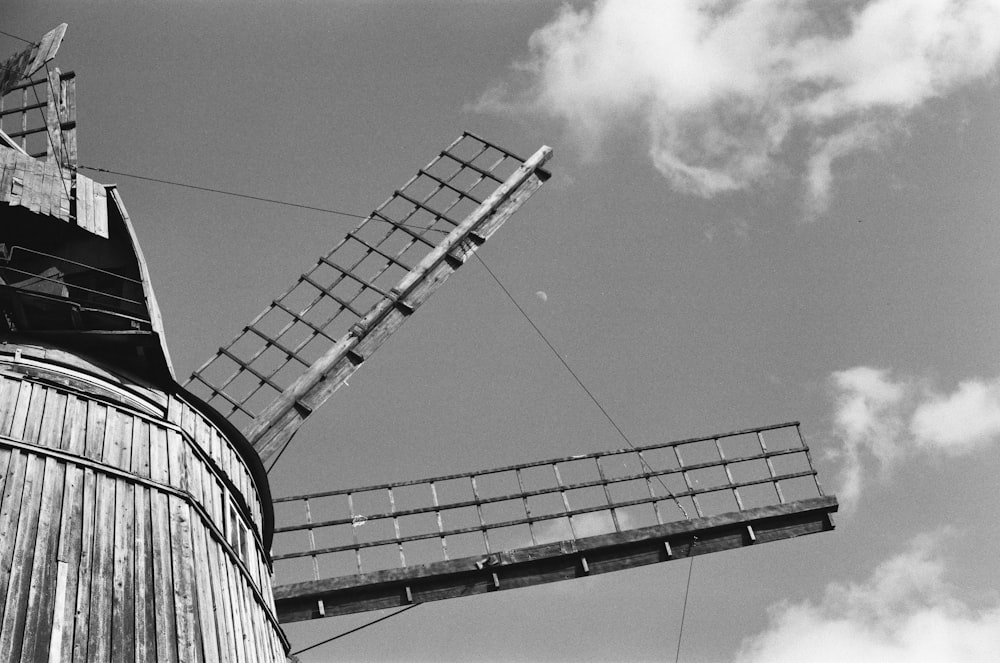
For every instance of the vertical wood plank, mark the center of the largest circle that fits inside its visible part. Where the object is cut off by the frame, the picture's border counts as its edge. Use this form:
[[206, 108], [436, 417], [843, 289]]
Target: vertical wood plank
[[222, 606], [59, 625], [70, 542], [97, 414], [50, 434], [145, 616], [102, 576], [205, 597], [166, 627], [41, 597], [9, 389], [33, 417], [75, 426], [140, 448], [16, 600], [123, 598], [88, 518], [236, 603], [10, 511], [21, 410], [183, 560]]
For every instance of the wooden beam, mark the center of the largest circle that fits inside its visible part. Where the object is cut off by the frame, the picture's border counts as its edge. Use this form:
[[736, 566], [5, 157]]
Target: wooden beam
[[550, 562]]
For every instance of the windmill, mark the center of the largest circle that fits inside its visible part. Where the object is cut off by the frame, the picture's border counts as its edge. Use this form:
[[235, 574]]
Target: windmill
[[136, 518]]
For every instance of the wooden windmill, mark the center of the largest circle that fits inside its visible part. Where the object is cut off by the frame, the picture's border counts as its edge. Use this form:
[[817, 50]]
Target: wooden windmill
[[136, 518]]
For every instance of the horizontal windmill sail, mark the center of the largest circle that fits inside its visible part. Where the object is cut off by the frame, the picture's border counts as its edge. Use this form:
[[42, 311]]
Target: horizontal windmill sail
[[292, 357], [343, 551]]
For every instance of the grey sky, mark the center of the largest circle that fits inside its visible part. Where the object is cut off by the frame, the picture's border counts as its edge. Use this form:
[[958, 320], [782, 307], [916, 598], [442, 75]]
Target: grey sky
[[689, 303]]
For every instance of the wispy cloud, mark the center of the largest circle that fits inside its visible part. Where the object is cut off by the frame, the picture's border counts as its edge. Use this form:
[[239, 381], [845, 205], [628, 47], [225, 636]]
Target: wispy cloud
[[905, 611], [722, 87], [880, 419]]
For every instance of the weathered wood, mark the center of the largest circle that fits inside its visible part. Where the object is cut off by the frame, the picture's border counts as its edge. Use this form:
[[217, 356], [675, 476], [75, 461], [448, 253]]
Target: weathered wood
[[207, 610], [145, 613], [102, 574], [10, 511], [23, 64], [123, 620], [88, 518], [552, 562], [16, 600], [42, 589], [70, 537], [111, 546]]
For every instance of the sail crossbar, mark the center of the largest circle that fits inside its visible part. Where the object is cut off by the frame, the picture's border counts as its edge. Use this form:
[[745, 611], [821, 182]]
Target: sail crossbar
[[340, 551], [293, 355]]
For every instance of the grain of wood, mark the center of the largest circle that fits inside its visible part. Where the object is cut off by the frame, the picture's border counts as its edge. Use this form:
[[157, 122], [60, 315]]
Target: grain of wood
[[145, 613], [41, 593], [123, 615], [10, 511], [70, 550], [16, 600], [102, 576], [88, 519]]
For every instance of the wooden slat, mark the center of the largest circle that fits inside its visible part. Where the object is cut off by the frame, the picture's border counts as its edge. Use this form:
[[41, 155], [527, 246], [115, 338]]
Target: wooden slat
[[102, 574], [182, 554], [81, 639], [145, 607], [21, 410], [10, 511], [166, 628], [70, 544], [42, 589], [33, 415], [207, 609], [223, 612], [123, 598], [16, 600]]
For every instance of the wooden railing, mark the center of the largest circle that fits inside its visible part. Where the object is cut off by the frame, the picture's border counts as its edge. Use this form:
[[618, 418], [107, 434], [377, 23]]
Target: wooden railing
[[489, 516]]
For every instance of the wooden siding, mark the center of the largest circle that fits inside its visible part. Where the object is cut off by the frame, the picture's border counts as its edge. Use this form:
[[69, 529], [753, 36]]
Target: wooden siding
[[115, 528], [44, 187]]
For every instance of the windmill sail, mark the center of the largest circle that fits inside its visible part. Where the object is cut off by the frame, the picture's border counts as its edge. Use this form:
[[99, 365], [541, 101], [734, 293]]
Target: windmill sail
[[302, 347], [344, 551]]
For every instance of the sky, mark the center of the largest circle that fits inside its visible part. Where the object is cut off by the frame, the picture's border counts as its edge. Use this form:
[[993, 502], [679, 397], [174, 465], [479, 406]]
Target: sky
[[760, 211]]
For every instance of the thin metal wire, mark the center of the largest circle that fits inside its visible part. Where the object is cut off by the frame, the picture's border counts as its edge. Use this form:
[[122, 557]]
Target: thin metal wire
[[274, 201], [580, 382], [26, 41], [687, 589], [355, 630]]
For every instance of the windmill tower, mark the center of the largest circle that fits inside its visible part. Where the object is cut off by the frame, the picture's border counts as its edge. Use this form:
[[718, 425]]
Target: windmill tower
[[136, 518]]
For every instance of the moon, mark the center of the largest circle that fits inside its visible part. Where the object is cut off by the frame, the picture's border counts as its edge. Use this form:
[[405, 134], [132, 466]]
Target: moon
[[541, 295]]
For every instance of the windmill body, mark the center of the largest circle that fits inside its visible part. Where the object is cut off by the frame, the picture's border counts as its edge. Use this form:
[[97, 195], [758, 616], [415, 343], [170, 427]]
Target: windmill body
[[136, 518]]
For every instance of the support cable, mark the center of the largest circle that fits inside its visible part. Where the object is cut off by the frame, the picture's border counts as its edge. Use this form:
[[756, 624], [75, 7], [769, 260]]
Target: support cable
[[356, 629], [227, 193], [26, 41], [687, 588], [582, 386]]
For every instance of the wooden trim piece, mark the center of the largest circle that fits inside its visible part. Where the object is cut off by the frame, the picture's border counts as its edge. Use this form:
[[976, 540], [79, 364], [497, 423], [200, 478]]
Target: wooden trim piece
[[552, 562]]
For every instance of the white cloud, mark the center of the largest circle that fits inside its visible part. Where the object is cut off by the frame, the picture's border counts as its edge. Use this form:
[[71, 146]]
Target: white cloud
[[904, 612], [880, 420], [963, 420], [720, 85]]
